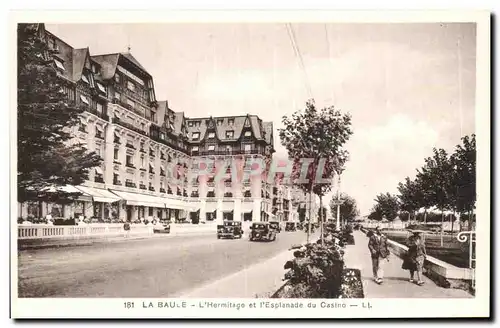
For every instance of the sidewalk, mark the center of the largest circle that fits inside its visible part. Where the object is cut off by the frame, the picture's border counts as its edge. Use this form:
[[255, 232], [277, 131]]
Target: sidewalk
[[396, 284]]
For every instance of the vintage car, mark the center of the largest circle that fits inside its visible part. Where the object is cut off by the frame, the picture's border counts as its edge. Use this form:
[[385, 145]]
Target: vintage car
[[262, 231], [162, 227], [229, 229], [290, 226], [275, 225]]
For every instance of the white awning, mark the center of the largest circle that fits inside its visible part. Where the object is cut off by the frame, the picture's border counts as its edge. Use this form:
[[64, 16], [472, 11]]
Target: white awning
[[140, 199], [98, 170], [100, 195], [178, 204], [70, 190]]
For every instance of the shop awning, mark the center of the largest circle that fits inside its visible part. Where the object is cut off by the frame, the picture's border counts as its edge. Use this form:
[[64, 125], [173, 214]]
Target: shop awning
[[178, 204], [140, 199], [99, 195], [70, 190]]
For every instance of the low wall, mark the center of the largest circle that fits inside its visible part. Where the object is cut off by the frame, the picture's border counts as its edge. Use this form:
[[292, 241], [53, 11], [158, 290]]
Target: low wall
[[444, 274]]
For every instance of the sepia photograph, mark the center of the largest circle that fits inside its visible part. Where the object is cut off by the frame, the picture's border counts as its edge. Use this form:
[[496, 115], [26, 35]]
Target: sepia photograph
[[322, 165]]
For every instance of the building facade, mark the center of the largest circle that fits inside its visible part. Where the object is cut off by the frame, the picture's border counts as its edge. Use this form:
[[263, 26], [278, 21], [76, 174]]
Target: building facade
[[153, 155]]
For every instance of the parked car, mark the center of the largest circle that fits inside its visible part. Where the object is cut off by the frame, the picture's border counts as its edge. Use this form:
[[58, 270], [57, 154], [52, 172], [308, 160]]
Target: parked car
[[290, 226], [229, 229], [275, 225], [162, 227], [262, 231]]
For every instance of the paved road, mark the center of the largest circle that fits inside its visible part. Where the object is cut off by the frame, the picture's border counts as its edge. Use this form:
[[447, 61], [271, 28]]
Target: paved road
[[142, 268]]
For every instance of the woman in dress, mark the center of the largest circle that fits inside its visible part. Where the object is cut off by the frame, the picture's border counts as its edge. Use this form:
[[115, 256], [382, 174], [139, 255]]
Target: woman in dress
[[415, 258]]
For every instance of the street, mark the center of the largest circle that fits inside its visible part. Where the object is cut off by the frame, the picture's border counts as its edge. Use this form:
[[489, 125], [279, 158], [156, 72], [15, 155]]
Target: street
[[158, 267]]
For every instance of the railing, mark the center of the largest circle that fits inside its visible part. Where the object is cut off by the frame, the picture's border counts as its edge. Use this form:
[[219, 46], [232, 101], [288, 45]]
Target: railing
[[128, 145], [151, 188], [54, 232], [470, 236], [130, 165], [130, 184], [227, 152], [143, 187], [162, 190], [117, 182], [98, 114], [129, 126]]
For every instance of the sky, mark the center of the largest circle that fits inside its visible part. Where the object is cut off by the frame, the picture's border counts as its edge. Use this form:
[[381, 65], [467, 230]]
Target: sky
[[408, 87]]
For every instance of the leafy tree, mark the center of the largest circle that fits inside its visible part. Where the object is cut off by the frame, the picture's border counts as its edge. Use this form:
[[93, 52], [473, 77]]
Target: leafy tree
[[386, 206], [410, 197], [463, 188], [348, 209], [318, 135], [45, 157]]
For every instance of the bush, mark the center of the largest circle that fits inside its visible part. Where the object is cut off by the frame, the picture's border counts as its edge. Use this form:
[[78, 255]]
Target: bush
[[315, 272]]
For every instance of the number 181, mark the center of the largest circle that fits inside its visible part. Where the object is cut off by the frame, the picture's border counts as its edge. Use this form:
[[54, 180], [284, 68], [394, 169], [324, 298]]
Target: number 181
[[128, 305]]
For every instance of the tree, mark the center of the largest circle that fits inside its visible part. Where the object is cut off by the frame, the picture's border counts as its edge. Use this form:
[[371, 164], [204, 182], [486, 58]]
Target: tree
[[45, 157], [463, 189], [318, 135], [348, 209], [386, 206], [410, 197]]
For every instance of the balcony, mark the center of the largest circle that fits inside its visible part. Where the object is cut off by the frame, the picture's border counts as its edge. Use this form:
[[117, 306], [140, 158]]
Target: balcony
[[99, 135], [152, 154], [99, 179], [98, 114], [162, 190], [151, 171], [117, 182], [117, 162], [129, 126], [169, 191], [130, 165], [129, 145], [247, 194], [130, 184], [143, 187], [117, 141], [227, 152], [195, 195], [142, 150], [82, 129], [228, 194], [211, 194], [185, 194], [151, 188], [162, 173]]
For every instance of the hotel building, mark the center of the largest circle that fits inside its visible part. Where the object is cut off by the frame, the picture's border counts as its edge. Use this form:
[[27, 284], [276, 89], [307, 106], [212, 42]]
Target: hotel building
[[152, 154]]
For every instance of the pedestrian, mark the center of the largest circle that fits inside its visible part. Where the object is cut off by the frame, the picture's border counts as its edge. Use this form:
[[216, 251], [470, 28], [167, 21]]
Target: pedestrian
[[379, 253], [415, 258], [126, 229]]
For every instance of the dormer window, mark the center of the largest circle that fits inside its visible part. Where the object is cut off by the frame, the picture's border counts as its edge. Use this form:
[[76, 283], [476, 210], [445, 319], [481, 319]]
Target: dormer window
[[59, 64], [211, 135], [195, 136], [231, 121], [84, 99], [101, 87], [94, 68], [190, 124], [220, 122], [229, 134], [98, 107], [248, 133], [85, 79]]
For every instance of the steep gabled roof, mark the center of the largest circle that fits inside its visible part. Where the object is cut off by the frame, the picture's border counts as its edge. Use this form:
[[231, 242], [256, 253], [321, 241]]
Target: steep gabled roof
[[129, 56], [108, 64], [79, 58]]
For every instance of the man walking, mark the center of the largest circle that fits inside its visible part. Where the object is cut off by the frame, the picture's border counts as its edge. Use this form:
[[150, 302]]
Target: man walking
[[380, 254]]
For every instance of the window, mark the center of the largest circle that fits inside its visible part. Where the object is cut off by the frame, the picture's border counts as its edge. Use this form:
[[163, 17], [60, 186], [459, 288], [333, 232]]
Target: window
[[162, 136], [99, 107], [84, 99], [130, 103], [94, 68], [117, 95], [220, 121], [59, 64], [195, 135], [130, 160], [142, 161], [101, 87], [85, 79], [211, 147], [211, 135], [130, 85], [229, 134], [115, 154], [197, 123], [248, 148], [190, 123], [231, 121], [195, 148], [248, 133], [153, 116], [117, 78]]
